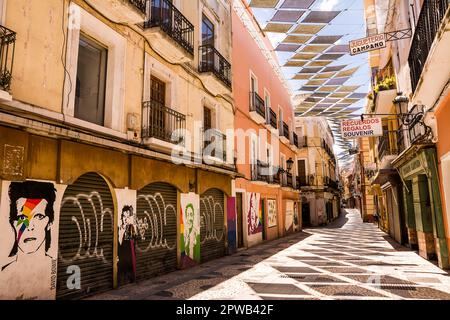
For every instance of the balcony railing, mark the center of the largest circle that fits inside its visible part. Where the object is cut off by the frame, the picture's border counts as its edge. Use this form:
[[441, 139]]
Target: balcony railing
[[216, 142], [295, 140], [162, 123], [303, 181], [274, 175], [7, 48], [272, 118], [165, 15], [259, 172], [141, 5], [284, 130], [257, 104], [430, 18], [384, 146], [212, 61], [289, 180]]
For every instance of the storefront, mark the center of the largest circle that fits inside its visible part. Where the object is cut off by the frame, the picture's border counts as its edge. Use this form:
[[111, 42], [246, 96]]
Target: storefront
[[422, 202]]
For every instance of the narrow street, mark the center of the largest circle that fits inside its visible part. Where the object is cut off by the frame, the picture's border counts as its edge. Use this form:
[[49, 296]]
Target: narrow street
[[345, 260]]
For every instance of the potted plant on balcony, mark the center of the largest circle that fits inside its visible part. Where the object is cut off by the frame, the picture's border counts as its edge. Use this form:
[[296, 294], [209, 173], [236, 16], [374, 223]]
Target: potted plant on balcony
[[387, 83]]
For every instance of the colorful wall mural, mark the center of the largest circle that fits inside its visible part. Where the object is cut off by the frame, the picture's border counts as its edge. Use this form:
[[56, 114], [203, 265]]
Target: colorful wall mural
[[231, 224], [29, 219], [190, 229], [254, 214], [272, 212], [128, 235]]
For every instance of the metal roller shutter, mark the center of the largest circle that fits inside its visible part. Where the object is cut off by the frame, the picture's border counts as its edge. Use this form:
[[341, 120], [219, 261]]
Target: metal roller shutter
[[86, 238], [157, 212], [212, 219]]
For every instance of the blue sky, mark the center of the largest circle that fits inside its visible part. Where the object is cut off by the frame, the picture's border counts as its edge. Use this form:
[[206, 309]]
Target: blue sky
[[350, 23]]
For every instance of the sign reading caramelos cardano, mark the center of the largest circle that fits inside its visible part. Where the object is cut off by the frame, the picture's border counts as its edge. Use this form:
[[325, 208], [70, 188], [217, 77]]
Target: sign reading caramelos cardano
[[367, 44], [353, 129]]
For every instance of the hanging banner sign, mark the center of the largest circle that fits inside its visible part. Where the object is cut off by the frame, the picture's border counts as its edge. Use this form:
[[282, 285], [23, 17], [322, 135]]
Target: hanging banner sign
[[367, 44], [353, 129]]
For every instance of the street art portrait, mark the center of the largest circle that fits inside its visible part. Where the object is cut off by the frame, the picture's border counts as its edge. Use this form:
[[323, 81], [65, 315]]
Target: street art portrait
[[28, 241], [127, 245], [272, 212], [129, 234], [190, 230], [254, 217]]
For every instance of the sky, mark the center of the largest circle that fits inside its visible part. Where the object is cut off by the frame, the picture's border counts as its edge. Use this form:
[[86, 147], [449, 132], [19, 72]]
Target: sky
[[349, 23]]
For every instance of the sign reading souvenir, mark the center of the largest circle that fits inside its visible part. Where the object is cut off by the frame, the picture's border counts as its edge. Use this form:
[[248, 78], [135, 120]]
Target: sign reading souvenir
[[353, 129], [367, 44]]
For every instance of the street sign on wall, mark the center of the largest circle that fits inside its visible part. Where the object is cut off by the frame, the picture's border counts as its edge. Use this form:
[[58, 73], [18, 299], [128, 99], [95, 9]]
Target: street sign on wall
[[354, 129], [367, 44]]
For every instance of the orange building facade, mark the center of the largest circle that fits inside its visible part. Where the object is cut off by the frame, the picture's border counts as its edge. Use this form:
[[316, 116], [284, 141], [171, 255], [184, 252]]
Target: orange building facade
[[267, 196], [443, 153]]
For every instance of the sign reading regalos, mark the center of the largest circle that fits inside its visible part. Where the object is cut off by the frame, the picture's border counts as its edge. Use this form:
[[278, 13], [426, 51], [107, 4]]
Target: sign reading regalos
[[353, 129], [367, 44]]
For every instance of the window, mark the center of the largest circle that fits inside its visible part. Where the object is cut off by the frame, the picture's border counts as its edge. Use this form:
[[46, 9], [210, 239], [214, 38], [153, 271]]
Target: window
[[301, 164], [207, 32], [99, 85], [253, 84], [207, 118], [158, 102], [91, 81]]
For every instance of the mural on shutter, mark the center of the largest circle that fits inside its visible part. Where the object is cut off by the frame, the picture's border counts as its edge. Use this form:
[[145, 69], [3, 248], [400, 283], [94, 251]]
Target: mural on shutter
[[212, 219], [156, 247], [85, 262]]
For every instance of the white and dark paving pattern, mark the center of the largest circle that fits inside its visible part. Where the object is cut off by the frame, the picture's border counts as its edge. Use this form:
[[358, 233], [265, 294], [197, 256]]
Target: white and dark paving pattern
[[346, 260]]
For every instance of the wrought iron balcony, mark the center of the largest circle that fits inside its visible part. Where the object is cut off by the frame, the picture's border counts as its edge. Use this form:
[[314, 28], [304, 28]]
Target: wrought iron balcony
[[165, 15], [212, 61], [284, 130], [385, 147], [257, 104], [272, 119], [333, 184], [162, 123], [141, 5], [7, 48], [303, 181], [289, 180], [259, 172], [215, 144], [430, 18], [295, 140], [274, 175]]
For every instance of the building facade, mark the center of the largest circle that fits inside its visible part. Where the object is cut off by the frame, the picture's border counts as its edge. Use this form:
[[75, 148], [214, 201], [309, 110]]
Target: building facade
[[410, 85], [267, 194], [318, 171], [115, 163]]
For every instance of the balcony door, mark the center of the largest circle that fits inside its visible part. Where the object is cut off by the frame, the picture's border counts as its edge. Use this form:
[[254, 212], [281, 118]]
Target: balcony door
[[208, 35], [161, 11], [158, 102], [301, 165]]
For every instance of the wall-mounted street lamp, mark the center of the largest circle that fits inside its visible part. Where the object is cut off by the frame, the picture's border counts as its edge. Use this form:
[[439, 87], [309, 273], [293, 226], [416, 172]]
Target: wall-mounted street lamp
[[401, 105]]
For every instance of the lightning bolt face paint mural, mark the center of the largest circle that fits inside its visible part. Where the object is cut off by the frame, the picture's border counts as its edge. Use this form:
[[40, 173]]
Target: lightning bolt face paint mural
[[29, 211]]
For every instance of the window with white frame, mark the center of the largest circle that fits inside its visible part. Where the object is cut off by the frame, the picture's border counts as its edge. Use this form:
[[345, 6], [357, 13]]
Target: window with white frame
[[95, 65]]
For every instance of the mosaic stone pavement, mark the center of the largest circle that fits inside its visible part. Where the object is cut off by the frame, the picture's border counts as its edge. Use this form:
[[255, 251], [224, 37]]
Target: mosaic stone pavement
[[345, 260]]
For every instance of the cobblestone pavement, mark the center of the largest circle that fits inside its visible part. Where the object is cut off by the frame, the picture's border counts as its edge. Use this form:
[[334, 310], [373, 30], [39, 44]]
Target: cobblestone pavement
[[346, 260]]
